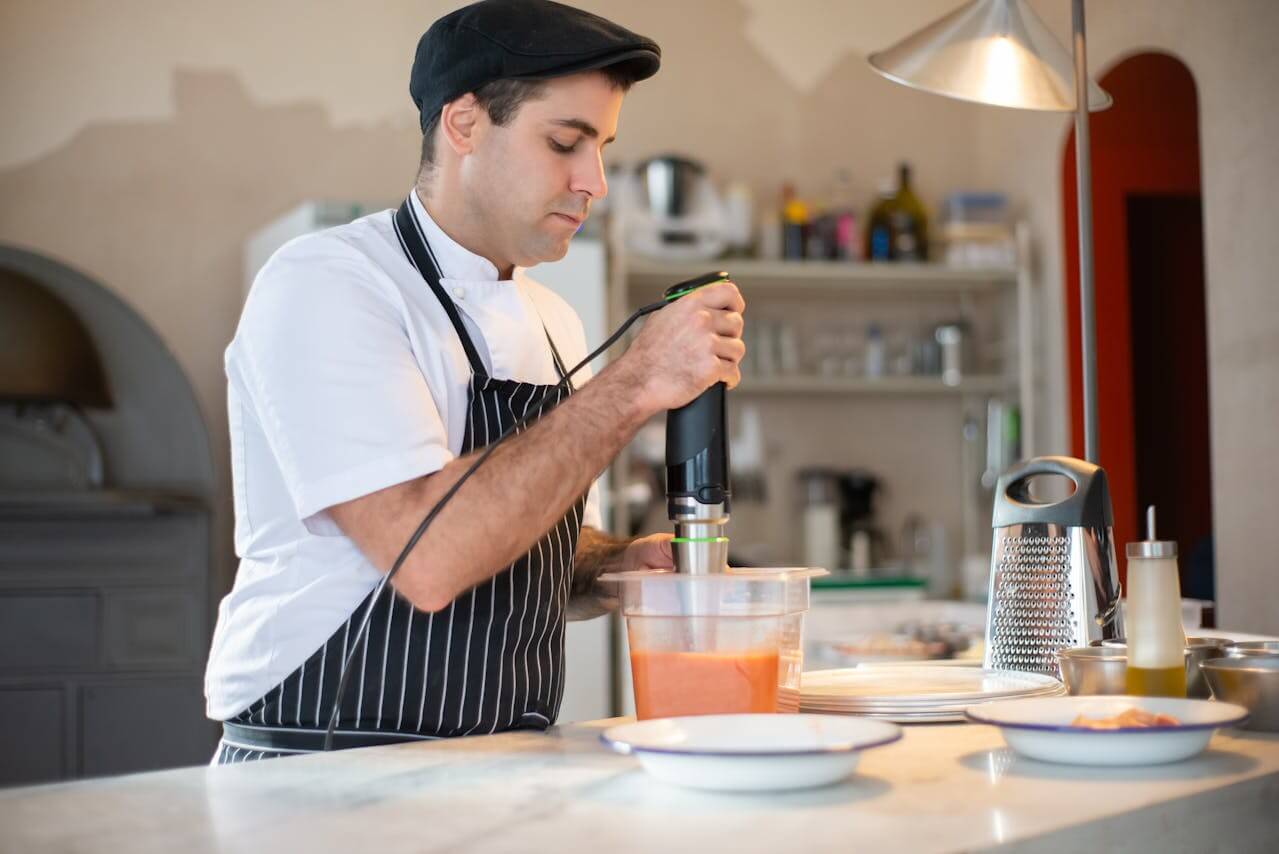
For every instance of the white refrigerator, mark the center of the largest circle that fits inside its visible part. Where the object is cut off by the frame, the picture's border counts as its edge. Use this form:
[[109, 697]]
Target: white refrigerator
[[581, 278]]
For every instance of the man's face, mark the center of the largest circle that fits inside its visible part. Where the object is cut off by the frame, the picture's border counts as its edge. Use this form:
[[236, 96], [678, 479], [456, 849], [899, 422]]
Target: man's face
[[531, 183]]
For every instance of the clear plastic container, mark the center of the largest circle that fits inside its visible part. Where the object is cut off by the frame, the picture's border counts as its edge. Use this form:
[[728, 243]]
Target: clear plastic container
[[715, 644]]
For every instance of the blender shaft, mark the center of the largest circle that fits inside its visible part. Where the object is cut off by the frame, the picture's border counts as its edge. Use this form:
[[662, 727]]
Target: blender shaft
[[699, 546]]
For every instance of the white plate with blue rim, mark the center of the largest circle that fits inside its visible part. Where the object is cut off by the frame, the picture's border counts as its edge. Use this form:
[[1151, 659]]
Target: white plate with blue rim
[[1045, 728], [750, 753]]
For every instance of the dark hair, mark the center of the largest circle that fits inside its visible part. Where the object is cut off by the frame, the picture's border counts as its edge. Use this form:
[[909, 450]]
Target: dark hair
[[502, 99]]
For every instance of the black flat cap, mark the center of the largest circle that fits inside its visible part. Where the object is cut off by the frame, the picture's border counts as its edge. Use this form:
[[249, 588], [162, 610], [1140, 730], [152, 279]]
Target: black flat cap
[[527, 39]]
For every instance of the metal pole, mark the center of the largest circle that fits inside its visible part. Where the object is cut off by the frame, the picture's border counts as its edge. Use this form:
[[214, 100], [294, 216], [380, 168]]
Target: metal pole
[[1083, 179]]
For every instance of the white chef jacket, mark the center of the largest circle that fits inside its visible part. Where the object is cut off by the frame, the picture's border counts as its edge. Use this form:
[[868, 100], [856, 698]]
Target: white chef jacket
[[345, 376]]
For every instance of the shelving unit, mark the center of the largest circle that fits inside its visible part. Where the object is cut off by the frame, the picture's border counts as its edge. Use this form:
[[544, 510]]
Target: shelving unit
[[864, 414]]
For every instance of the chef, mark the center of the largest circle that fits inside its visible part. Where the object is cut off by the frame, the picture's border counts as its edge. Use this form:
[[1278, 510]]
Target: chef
[[374, 360]]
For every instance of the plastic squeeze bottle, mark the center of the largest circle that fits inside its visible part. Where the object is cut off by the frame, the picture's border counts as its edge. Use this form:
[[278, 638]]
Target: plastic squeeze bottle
[[1156, 642]]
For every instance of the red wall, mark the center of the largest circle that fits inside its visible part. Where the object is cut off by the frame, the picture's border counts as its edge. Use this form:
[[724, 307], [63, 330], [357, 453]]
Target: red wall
[[1146, 143]]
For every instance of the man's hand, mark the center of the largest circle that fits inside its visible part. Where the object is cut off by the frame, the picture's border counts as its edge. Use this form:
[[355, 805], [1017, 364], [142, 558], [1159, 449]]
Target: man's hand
[[598, 553], [651, 552], [687, 347]]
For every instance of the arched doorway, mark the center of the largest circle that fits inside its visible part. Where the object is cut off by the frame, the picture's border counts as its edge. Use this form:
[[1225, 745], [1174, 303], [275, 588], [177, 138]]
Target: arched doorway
[[1152, 383]]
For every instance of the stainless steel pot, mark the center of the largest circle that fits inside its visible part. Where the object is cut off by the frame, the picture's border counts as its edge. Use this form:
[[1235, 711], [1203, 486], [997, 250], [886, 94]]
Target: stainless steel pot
[[1102, 669], [1250, 681], [1094, 669], [1245, 649]]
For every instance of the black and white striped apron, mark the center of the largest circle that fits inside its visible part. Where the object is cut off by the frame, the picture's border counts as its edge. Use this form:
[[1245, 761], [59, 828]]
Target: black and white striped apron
[[493, 660]]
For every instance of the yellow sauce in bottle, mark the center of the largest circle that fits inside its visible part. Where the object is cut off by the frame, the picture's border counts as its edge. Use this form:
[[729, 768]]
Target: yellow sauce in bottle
[[1156, 681]]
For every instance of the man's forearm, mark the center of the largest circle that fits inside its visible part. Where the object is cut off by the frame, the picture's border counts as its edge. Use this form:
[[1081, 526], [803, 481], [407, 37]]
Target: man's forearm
[[530, 481], [597, 553], [519, 493]]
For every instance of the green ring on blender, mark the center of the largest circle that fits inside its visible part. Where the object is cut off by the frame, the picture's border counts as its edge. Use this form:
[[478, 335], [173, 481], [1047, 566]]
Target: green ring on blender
[[699, 539]]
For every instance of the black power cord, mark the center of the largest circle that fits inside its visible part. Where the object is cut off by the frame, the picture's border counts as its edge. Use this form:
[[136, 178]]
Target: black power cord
[[673, 294]]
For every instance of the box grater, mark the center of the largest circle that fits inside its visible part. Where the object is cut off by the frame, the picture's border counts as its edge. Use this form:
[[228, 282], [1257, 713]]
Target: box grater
[[1054, 582]]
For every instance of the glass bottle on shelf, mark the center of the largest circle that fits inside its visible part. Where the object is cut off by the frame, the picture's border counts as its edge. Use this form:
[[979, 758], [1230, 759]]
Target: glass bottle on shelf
[[909, 222], [879, 225], [794, 224], [846, 237]]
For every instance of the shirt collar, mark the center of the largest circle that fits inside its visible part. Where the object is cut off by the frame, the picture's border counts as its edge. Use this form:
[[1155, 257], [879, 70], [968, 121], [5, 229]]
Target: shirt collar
[[455, 260]]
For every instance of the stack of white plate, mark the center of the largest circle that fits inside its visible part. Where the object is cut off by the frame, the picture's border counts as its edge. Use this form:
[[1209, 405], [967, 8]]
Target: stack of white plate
[[917, 693]]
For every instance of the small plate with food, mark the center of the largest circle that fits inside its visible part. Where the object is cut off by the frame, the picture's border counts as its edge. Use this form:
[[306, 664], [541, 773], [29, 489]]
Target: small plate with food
[[1110, 730]]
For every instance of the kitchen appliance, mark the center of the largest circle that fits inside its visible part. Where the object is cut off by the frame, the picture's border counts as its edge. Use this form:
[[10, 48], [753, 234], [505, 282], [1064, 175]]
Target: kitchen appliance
[[52, 372], [707, 639], [1054, 581], [821, 502], [670, 210], [867, 544], [839, 526], [750, 481], [109, 545], [697, 487], [717, 642]]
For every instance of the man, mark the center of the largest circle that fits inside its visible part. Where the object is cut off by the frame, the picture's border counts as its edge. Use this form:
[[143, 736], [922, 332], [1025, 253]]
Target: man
[[374, 360]]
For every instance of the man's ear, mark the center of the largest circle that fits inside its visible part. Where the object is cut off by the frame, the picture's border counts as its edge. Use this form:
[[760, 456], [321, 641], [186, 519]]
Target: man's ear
[[458, 123]]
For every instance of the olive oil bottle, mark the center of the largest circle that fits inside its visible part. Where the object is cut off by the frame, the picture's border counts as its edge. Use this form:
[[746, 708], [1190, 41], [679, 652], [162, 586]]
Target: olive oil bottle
[[1156, 681], [1152, 618]]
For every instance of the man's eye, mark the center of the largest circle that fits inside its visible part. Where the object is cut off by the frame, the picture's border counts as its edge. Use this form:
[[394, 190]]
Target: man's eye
[[562, 149]]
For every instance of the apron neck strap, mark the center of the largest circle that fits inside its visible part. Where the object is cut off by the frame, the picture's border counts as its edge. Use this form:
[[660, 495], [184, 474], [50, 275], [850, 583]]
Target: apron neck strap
[[555, 354], [413, 242]]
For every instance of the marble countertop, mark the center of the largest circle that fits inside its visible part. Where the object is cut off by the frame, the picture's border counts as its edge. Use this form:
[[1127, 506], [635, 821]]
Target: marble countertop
[[951, 787]]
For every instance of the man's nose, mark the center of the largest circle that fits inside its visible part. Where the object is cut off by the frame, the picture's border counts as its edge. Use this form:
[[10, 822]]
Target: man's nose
[[590, 179]]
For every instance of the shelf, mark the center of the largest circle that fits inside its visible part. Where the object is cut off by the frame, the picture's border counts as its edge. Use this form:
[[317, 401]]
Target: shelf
[[779, 278], [897, 386]]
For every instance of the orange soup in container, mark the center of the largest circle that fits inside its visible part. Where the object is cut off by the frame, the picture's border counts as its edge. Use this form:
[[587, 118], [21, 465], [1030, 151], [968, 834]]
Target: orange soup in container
[[669, 684], [714, 643]]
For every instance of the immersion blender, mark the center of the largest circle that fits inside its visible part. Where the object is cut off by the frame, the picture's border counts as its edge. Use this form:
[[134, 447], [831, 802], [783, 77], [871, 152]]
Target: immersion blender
[[697, 486]]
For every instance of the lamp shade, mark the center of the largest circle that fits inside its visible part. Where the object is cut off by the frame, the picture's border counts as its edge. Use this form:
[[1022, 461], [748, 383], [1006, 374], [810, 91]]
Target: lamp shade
[[992, 52]]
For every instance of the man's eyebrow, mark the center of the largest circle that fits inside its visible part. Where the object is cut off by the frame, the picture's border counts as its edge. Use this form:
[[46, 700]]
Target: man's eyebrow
[[585, 127]]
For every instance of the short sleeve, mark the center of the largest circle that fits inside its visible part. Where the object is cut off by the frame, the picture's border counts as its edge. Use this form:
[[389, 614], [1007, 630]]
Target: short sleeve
[[326, 358]]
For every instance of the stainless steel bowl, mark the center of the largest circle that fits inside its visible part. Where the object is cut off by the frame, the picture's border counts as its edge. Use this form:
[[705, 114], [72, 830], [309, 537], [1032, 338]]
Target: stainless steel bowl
[[1094, 669], [1198, 650], [1245, 649], [1250, 681]]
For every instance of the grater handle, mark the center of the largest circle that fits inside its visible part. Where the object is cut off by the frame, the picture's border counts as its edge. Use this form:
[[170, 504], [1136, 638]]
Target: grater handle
[[1087, 506]]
